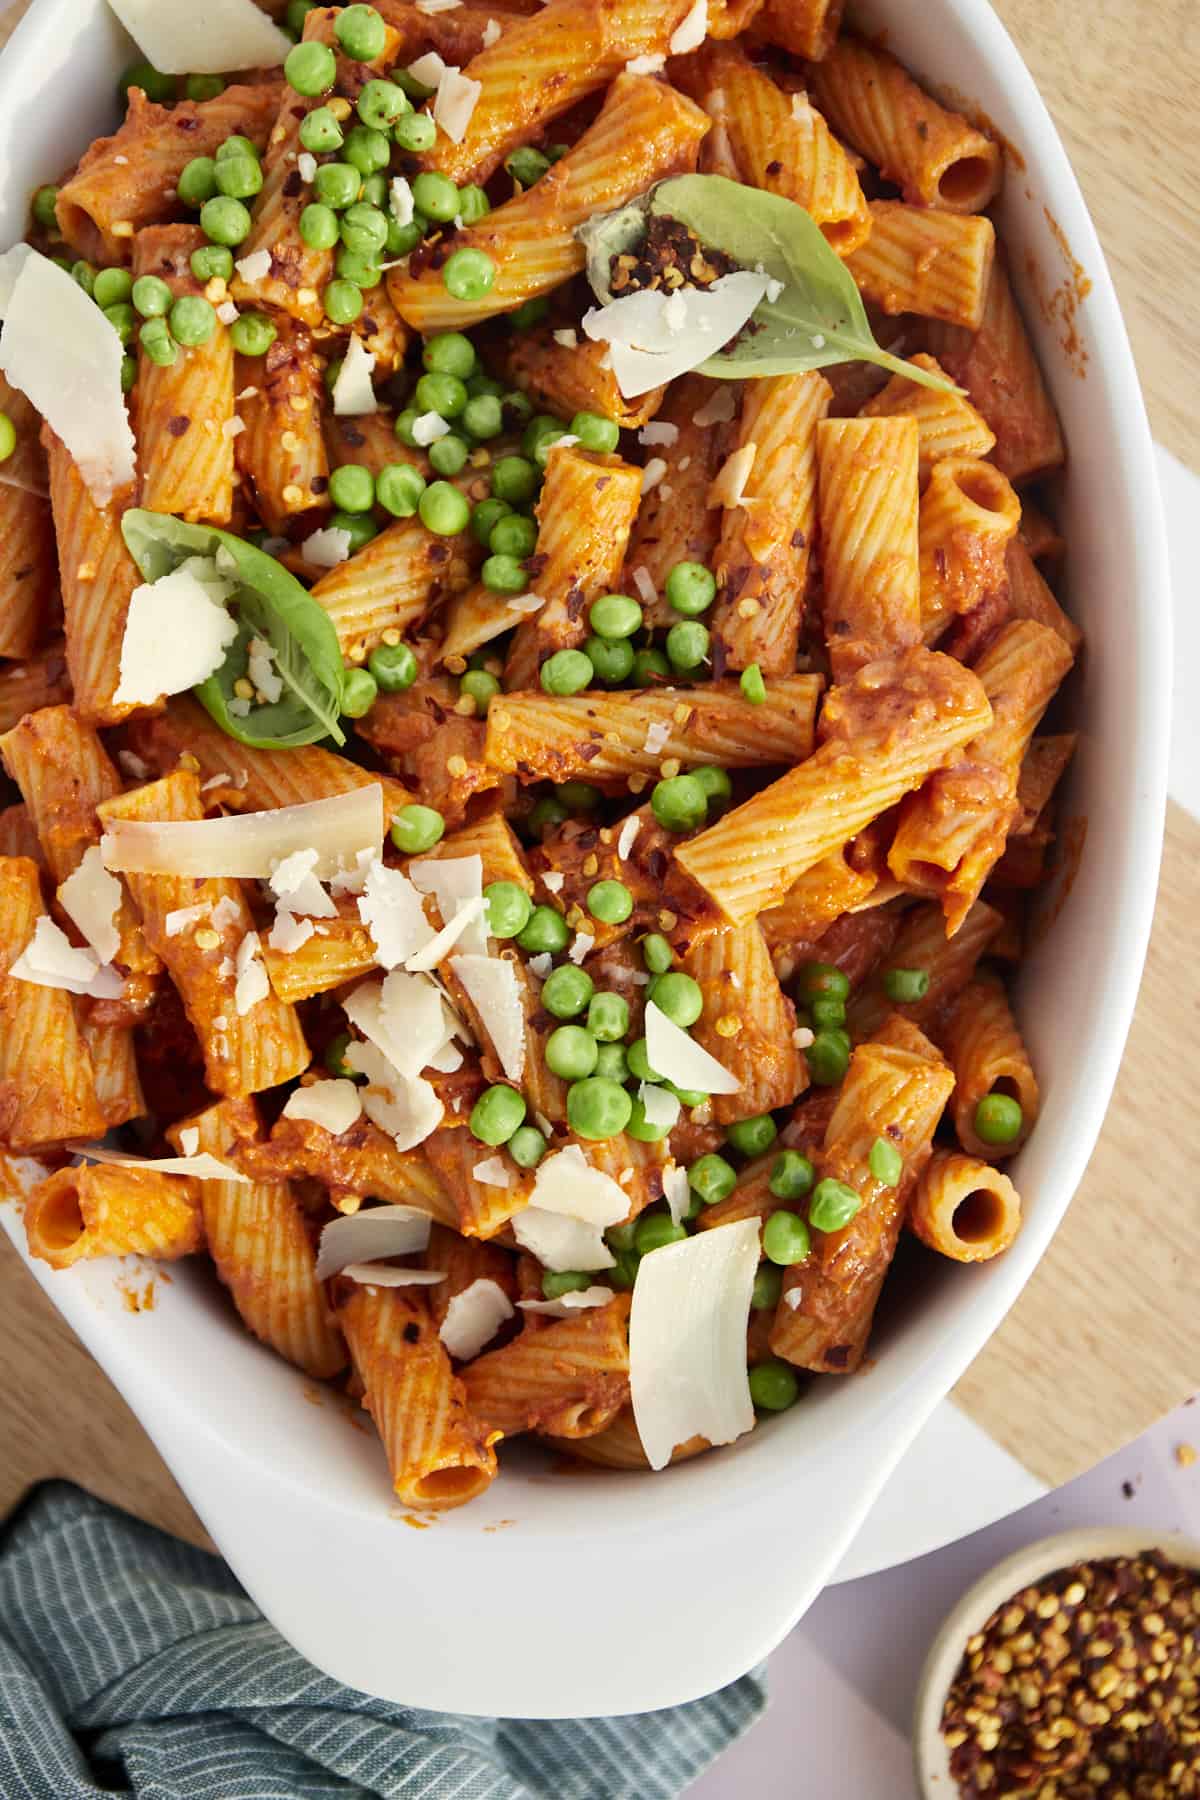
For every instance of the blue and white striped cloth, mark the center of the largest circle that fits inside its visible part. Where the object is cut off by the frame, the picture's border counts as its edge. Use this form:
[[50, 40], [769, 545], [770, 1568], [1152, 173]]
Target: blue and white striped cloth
[[135, 1664]]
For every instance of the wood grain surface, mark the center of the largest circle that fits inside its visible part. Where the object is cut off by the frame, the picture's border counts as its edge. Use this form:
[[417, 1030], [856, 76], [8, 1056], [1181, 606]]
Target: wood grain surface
[[1103, 1339]]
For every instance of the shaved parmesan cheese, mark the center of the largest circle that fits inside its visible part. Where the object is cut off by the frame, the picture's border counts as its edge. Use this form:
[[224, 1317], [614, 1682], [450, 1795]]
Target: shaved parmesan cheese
[[428, 69], [440, 946], [202, 1167], [250, 846], [260, 667], [677, 1191], [582, 948], [680, 1060], [383, 1275], [407, 1109], [802, 112], [719, 409], [189, 1140], [581, 1300], [333, 1104], [392, 910], [402, 200], [656, 737], [691, 32], [541, 965], [227, 312], [257, 266], [50, 960], [456, 98], [252, 984], [404, 1016], [328, 548], [306, 162], [729, 484], [561, 1243], [658, 431], [353, 393], [91, 899], [643, 581], [628, 833], [62, 352], [653, 473], [660, 1105], [646, 65], [296, 887], [652, 341], [453, 880], [492, 988], [225, 913], [176, 633], [363, 1237], [687, 1340], [567, 338], [492, 33], [495, 1172], [288, 933], [428, 428], [11, 264], [437, 6], [181, 38], [552, 880], [474, 1317], [182, 917], [567, 1183]]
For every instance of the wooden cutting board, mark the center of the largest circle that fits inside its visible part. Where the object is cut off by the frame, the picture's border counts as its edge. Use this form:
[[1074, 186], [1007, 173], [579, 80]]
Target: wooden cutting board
[[1103, 1340]]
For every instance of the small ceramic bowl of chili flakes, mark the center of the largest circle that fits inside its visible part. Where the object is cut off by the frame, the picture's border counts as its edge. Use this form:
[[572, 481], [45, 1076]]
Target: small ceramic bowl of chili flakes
[[1070, 1672]]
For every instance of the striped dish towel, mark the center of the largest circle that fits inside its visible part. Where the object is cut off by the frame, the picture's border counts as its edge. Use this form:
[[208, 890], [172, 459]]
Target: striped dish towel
[[133, 1663]]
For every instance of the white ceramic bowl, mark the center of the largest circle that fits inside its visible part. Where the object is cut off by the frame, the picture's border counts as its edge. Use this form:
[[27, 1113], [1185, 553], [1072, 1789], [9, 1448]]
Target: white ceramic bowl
[[612, 1593], [1022, 1569]]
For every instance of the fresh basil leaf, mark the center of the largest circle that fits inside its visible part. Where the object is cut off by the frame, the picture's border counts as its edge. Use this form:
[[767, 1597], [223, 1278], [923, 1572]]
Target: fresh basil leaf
[[818, 317], [270, 604]]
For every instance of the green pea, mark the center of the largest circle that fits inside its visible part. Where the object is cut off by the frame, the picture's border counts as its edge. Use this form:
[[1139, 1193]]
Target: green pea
[[443, 509], [526, 165], [527, 1147], [44, 204], [296, 13], [473, 204], [679, 803], [435, 195], [212, 262], [497, 1114], [654, 1231], [680, 998], [364, 230], [785, 1239], [311, 68], [828, 1057], [639, 1062], [611, 658], [546, 816], [547, 932], [905, 986], [579, 796], [381, 103], [129, 371], [252, 334], [827, 1012], [415, 89], [480, 383], [240, 177], [768, 1285], [335, 1058], [417, 828], [999, 1119], [112, 287], [359, 693], [343, 302], [657, 953], [123, 320], [151, 297], [359, 527], [595, 433], [363, 271], [570, 1281], [615, 616], [480, 686], [544, 444], [885, 1162], [610, 901], [688, 645], [530, 312], [773, 1386], [445, 395], [450, 353], [597, 1107], [639, 1126], [236, 146], [820, 980], [691, 588], [320, 132], [352, 488], [415, 132], [650, 669], [192, 321], [515, 479], [608, 1017], [225, 220], [156, 340], [509, 909], [8, 437], [514, 535], [833, 1205], [361, 32], [754, 688], [567, 991], [750, 1137], [504, 575], [612, 1062], [571, 1052], [404, 426], [566, 672], [203, 87], [448, 456], [792, 1176], [712, 1178], [393, 666], [83, 274], [337, 185], [154, 84], [197, 181], [482, 417], [468, 275], [716, 784]]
